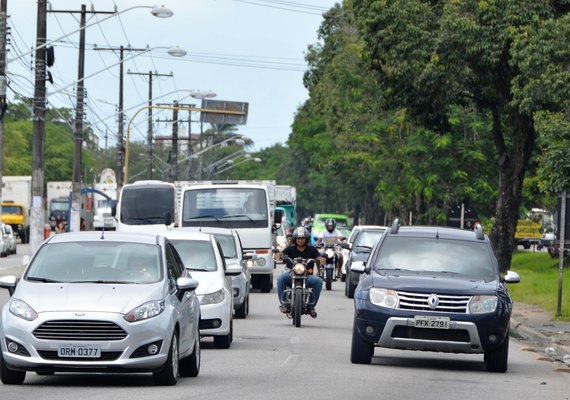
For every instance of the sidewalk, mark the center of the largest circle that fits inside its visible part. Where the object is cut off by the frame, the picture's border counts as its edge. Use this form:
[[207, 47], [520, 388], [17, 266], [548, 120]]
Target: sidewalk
[[535, 326]]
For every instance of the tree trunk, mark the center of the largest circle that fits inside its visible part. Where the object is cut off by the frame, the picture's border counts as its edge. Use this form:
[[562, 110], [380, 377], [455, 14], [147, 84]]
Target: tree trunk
[[511, 175]]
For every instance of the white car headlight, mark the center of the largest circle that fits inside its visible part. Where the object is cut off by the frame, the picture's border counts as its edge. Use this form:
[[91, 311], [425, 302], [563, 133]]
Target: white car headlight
[[213, 298], [483, 304], [145, 311], [383, 297], [22, 310]]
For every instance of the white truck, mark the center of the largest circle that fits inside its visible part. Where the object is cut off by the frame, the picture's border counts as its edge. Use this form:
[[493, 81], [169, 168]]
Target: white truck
[[102, 207], [241, 205], [16, 204], [58, 202]]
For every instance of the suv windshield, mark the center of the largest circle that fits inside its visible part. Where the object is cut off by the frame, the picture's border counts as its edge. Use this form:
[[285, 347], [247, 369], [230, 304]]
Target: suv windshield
[[436, 256], [367, 238]]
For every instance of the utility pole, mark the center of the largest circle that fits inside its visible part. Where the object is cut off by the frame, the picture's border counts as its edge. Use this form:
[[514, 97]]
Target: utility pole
[[174, 154], [3, 105], [39, 129], [75, 217], [120, 142], [149, 127]]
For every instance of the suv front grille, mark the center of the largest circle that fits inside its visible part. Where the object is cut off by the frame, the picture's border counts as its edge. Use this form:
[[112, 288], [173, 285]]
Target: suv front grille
[[79, 330], [445, 303]]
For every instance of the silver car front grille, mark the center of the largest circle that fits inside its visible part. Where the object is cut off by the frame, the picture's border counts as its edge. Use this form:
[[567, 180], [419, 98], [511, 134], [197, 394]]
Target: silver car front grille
[[79, 330], [433, 302]]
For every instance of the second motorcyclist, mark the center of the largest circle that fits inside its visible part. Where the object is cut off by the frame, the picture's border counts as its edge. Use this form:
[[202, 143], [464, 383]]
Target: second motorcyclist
[[300, 248], [331, 236]]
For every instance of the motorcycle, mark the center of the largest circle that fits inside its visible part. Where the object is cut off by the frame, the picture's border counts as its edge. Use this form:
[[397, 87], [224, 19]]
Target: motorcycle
[[299, 294], [330, 253]]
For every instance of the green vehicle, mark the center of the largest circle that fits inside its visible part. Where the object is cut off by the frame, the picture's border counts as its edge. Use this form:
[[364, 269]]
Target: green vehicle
[[342, 224]]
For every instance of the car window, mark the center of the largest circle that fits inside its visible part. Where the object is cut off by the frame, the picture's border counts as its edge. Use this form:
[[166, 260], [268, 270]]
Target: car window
[[196, 255], [367, 238], [228, 245], [435, 255], [174, 265], [97, 261]]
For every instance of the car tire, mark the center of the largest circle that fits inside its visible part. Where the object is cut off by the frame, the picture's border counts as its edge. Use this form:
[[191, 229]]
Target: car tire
[[168, 376], [497, 359], [224, 342], [8, 376], [350, 287], [242, 311], [361, 351], [190, 366]]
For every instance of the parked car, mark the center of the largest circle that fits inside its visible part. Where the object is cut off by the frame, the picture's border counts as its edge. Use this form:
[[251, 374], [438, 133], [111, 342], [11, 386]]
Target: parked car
[[234, 254], [4, 242], [363, 241], [433, 289], [101, 302], [202, 255], [10, 238]]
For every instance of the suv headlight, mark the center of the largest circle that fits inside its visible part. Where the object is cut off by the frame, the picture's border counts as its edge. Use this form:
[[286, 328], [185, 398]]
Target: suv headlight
[[22, 310], [483, 304], [383, 297], [213, 298], [145, 311]]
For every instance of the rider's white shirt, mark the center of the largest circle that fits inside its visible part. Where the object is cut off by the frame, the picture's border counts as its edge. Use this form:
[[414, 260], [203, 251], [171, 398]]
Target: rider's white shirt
[[330, 237]]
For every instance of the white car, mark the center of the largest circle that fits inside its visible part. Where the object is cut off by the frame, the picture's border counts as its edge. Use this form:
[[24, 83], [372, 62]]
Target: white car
[[4, 242], [9, 237], [101, 302], [203, 257]]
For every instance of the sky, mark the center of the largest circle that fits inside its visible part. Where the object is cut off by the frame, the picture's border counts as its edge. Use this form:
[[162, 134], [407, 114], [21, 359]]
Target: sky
[[242, 50]]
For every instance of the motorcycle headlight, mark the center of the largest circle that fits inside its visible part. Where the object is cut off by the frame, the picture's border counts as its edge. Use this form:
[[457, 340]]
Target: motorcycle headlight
[[299, 269], [213, 298], [330, 253], [483, 304], [383, 298], [22, 310], [145, 311]]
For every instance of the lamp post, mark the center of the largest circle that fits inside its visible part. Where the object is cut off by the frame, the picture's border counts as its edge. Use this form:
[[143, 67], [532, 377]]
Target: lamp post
[[234, 164], [201, 95]]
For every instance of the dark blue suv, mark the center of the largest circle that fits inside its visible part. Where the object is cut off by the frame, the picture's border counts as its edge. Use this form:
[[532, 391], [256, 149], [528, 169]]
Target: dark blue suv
[[433, 289]]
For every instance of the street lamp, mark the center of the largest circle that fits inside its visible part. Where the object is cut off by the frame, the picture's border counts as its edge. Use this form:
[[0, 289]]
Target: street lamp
[[201, 95], [234, 164]]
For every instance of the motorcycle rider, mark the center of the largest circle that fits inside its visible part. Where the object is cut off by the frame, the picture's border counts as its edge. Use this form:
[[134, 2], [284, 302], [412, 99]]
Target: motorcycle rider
[[300, 248], [331, 236]]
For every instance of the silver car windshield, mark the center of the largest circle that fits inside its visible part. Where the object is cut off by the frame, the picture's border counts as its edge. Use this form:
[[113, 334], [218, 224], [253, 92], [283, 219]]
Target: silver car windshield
[[472, 259], [228, 245], [367, 238], [97, 262]]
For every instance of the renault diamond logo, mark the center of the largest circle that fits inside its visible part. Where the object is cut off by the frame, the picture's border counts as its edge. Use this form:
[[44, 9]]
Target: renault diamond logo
[[433, 301]]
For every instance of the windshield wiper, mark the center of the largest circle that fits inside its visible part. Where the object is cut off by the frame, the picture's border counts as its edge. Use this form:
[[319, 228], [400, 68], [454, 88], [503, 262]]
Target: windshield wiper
[[146, 219], [45, 280], [239, 215], [202, 216], [103, 281], [363, 246]]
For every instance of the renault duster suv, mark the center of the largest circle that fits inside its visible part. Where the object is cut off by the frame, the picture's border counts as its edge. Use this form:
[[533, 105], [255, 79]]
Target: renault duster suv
[[433, 289]]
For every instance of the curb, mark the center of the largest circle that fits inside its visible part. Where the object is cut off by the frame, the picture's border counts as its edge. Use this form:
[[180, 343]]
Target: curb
[[539, 338]]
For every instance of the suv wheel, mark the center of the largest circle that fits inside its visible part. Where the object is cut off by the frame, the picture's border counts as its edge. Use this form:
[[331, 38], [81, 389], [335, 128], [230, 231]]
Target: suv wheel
[[361, 351], [497, 359]]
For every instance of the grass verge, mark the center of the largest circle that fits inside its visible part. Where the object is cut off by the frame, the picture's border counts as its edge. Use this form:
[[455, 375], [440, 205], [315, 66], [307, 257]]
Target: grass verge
[[539, 282]]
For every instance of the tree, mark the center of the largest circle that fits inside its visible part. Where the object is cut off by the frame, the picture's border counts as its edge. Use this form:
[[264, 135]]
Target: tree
[[432, 56]]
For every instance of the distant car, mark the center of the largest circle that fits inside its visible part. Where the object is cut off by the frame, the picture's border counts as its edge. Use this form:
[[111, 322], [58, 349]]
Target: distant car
[[4, 242], [363, 241], [234, 254], [342, 222], [433, 289], [101, 302], [8, 233], [202, 255]]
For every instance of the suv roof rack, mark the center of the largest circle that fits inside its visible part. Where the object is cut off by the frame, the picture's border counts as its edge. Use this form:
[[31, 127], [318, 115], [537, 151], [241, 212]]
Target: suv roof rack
[[395, 226]]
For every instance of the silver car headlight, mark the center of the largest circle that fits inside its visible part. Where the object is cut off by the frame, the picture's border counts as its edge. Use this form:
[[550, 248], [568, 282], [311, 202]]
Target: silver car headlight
[[145, 311], [383, 297], [483, 304], [22, 310], [213, 298]]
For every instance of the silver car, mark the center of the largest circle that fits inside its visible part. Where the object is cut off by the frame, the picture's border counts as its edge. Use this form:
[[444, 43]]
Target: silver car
[[101, 302], [9, 237]]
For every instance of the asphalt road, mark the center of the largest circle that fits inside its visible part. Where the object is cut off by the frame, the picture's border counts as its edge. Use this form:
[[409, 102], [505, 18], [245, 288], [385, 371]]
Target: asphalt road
[[271, 359]]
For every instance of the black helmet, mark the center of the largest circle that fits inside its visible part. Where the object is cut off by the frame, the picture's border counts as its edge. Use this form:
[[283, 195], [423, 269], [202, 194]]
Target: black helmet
[[300, 233], [330, 224]]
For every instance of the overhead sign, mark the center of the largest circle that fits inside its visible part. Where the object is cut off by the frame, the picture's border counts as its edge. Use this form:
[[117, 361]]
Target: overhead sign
[[528, 229], [225, 112]]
